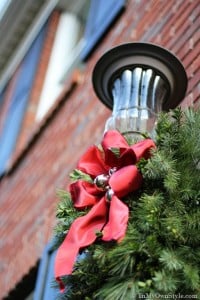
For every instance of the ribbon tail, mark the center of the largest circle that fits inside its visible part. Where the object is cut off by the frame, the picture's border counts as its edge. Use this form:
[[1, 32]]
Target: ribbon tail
[[115, 228], [82, 233]]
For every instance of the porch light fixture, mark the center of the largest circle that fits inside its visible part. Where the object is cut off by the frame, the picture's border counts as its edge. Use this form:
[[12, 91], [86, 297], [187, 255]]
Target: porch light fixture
[[137, 81]]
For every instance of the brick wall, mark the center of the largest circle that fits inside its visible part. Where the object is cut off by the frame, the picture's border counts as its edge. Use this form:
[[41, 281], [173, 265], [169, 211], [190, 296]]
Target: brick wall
[[27, 195]]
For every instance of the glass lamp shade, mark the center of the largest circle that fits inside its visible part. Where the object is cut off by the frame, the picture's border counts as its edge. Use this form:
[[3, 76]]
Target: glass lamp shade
[[137, 81], [134, 100]]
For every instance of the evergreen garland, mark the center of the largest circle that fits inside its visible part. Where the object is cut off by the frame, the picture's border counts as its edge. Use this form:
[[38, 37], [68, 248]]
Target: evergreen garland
[[160, 254]]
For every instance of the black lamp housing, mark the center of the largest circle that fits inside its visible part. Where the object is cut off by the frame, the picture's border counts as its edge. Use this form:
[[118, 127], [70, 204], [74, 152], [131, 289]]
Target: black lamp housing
[[146, 56]]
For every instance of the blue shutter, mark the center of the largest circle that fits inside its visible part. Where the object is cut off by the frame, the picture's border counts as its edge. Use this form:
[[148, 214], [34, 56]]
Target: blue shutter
[[101, 14], [45, 277], [2, 97], [19, 101]]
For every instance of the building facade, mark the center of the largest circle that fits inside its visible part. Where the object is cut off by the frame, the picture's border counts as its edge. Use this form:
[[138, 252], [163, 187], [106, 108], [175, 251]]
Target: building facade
[[49, 113]]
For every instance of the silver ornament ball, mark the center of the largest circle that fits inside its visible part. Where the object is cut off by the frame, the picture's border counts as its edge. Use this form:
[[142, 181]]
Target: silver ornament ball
[[101, 182], [109, 195]]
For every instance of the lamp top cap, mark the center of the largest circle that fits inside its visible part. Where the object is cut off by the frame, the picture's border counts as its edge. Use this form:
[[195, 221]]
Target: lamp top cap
[[146, 55]]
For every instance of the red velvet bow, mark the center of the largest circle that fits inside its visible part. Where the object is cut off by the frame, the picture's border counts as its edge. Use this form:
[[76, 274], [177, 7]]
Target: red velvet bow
[[108, 214]]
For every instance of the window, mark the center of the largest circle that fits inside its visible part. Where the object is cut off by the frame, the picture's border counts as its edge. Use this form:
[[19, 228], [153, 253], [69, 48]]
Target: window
[[66, 39], [77, 34]]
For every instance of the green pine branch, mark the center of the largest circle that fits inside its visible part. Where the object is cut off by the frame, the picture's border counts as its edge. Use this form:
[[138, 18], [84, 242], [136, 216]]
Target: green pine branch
[[161, 250]]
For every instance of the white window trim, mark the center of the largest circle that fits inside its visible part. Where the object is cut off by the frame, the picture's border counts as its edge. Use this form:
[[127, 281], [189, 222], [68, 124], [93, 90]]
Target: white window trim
[[63, 55]]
